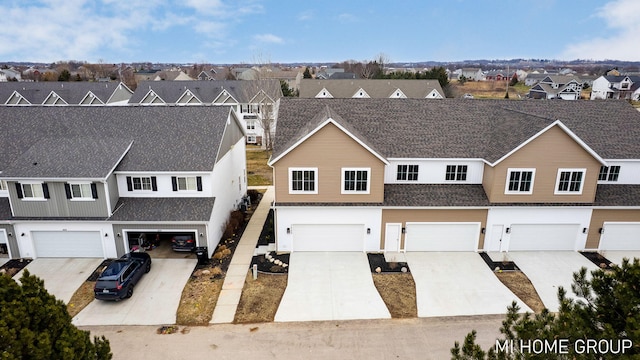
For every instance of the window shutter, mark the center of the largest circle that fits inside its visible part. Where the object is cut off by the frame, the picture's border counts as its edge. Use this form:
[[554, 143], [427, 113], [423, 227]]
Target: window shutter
[[154, 184], [94, 191], [199, 182], [129, 184], [174, 183], [45, 190], [19, 190], [67, 190]]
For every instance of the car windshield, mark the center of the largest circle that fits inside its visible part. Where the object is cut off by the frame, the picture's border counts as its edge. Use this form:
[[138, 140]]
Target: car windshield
[[114, 268]]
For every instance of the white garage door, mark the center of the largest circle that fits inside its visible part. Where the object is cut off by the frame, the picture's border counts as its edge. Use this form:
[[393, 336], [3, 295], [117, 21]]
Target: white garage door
[[67, 243], [534, 237], [621, 236], [328, 237], [442, 236]]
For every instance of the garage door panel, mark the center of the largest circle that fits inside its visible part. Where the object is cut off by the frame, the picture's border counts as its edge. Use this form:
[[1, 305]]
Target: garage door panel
[[620, 237], [335, 237], [442, 237], [541, 237], [67, 243]]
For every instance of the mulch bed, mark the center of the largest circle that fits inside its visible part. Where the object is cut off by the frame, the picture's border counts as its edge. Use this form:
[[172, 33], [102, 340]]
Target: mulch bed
[[597, 258], [499, 265], [13, 266], [268, 266], [378, 261], [267, 235]]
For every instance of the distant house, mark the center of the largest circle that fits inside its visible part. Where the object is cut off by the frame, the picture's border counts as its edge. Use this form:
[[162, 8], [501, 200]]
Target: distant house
[[474, 74], [616, 87], [10, 75], [499, 75], [557, 87], [172, 75], [367, 88]]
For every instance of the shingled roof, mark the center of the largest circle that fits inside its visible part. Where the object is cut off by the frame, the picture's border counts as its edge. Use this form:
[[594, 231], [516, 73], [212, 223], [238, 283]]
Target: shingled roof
[[207, 91], [454, 128], [164, 138], [71, 92], [346, 88]]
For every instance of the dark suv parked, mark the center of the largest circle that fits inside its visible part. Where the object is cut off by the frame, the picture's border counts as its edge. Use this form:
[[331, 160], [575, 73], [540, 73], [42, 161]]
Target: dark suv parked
[[117, 281], [183, 243]]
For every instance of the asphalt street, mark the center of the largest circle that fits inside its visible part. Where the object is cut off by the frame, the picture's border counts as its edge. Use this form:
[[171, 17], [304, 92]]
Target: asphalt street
[[417, 338]]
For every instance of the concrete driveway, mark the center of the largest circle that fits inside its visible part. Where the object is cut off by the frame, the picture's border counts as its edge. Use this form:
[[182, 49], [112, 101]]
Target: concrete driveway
[[457, 283], [62, 276], [154, 302], [549, 270], [3, 261], [330, 286], [617, 256]]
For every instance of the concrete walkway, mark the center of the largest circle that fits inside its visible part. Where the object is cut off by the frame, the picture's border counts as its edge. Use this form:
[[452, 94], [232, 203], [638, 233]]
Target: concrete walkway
[[229, 297]]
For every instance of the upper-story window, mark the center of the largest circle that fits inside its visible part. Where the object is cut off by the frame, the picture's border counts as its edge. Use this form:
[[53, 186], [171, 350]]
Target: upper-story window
[[251, 125], [303, 180], [407, 172], [3, 185], [519, 181], [142, 183], [186, 183], [81, 191], [355, 180], [456, 173], [609, 173], [32, 191], [570, 181]]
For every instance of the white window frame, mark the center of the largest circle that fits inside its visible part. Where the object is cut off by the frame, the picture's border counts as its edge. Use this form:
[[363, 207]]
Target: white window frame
[[457, 171], [608, 174], [251, 124], [32, 198], [568, 192], [185, 185], [133, 183], [84, 197], [252, 139], [406, 173], [315, 180], [3, 185], [342, 181], [520, 170]]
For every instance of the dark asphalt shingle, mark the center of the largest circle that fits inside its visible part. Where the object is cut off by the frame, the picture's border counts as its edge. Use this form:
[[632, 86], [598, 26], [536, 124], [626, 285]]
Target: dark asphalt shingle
[[163, 209]]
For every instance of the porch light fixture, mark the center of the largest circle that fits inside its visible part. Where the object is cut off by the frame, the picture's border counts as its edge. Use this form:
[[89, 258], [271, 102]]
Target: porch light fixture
[[508, 230], [106, 235], [118, 234], [368, 231], [22, 234], [288, 230], [601, 231], [584, 230], [483, 230], [404, 230], [10, 233], [201, 234]]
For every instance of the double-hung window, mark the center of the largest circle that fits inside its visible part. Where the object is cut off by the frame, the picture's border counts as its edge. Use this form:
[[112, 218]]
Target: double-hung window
[[303, 181], [187, 183], [32, 191], [407, 173], [456, 173], [141, 183], [355, 180], [570, 181], [519, 181], [80, 191], [609, 173]]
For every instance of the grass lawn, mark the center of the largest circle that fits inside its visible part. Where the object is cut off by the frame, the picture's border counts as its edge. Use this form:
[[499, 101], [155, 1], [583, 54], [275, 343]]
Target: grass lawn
[[258, 172], [519, 284], [398, 291], [260, 298]]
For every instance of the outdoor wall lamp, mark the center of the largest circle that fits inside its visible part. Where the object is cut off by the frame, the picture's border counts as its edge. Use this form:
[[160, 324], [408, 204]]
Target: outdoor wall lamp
[[288, 230], [106, 235], [10, 233], [368, 231], [404, 230], [118, 234], [483, 230], [508, 230], [584, 230], [22, 234], [201, 234], [601, 231]]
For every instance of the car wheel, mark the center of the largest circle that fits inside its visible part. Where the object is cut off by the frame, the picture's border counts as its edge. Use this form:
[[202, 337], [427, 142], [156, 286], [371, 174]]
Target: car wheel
[[148, 268], [129, 291]]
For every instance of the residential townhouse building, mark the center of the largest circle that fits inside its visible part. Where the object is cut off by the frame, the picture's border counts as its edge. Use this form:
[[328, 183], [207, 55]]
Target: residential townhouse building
[[368, 88], [381, 175], [90, 181], [64, 93]]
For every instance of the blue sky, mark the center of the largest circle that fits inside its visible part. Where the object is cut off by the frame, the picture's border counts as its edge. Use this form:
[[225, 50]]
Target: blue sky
[[250, 31]]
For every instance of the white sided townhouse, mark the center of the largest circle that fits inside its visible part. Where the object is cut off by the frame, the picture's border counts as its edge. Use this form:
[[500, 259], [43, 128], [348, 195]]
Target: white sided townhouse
[[385, 175], [88, 181]]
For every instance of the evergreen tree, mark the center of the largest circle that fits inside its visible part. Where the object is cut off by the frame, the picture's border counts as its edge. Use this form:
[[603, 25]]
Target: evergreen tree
[[35, 325], [65, 75], [306, 74]]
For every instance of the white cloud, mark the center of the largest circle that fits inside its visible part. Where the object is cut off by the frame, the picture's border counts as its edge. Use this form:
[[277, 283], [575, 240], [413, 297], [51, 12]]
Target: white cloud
[[269, 38], [305, 15], [347, 18], [623, 18]]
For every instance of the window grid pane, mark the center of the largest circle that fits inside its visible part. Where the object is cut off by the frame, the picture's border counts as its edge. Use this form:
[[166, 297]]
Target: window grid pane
[[146, 183], [402, 172], [603, 173], [614, 171], [412, 173]]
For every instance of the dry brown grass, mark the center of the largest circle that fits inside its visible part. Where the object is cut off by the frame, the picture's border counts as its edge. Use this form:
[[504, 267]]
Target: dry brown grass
[[199, 298], [487, 89], [520, 285], [398, 291], [81, 298], [260, 298], [258, 172]]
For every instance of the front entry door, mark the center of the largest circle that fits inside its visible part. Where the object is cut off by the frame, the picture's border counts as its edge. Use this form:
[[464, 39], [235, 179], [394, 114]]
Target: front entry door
[[392, 237], [495, 243]]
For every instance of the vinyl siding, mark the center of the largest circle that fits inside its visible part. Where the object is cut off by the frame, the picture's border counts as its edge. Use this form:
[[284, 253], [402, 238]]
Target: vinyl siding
[[58, 205], [599, 216], [112, 184], [412, 215], [330, 150], [549, 152]]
